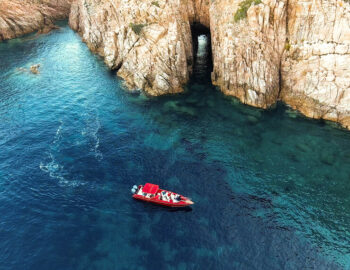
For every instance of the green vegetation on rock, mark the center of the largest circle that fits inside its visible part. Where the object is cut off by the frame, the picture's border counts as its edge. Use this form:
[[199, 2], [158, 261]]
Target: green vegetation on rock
[[243, 8], [155, 3], [287, 46], [137, 28]]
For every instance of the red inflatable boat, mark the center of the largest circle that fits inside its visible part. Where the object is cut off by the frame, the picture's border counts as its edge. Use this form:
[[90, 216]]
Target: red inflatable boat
[[152, 193]]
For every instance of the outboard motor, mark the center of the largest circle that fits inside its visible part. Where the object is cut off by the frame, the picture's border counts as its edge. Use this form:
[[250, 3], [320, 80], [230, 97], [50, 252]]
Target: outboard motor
[[134, 189]]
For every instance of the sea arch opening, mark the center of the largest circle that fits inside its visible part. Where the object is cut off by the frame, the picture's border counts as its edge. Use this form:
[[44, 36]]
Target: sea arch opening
[[202, 53]]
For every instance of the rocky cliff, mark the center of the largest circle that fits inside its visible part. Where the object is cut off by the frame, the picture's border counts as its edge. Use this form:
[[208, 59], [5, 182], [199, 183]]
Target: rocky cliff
[[19, 17], [316, 63], [295, 51], [248, 40], [263, 50], [147, 41]]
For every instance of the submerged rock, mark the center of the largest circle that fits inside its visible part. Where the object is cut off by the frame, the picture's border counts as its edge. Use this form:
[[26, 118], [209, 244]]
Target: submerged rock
[[327, 158], [252, 119], [193, 99], [47, 29], [303, 147], [249, 111], [292, 156], [292, 113], [210, 103], [175, 106]]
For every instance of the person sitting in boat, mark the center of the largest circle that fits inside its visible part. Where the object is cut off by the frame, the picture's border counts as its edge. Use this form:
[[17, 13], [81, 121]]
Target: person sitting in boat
[[163, 196], [175, 198]]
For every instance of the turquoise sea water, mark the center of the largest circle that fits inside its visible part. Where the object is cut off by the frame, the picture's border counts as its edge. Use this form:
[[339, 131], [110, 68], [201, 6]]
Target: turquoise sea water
[[271, 187]]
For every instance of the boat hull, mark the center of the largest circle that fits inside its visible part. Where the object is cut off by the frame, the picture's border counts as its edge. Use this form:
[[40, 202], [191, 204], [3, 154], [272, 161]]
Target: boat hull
[[183, 203], [163, 203]]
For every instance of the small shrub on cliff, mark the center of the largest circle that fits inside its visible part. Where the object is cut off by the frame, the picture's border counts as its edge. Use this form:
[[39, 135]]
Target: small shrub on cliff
[[287, 46], [155, 3], [137, 28], [243, 8]]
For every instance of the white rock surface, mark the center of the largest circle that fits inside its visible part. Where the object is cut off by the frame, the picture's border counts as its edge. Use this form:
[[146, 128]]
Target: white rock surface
[[316, 68]]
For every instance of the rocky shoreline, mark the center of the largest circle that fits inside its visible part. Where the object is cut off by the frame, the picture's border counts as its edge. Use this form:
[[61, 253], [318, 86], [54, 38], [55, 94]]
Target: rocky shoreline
[[263, 51], [18, 18]]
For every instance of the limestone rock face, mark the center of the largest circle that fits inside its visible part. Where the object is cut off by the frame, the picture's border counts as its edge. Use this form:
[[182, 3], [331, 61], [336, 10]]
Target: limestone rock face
[[263, 51], [316, 66], [247, 51], [19, 17], [149, 42], [158, 59]]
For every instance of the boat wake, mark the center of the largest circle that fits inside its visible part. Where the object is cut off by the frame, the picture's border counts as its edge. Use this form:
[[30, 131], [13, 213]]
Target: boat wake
[[56, 171], [53, 167]]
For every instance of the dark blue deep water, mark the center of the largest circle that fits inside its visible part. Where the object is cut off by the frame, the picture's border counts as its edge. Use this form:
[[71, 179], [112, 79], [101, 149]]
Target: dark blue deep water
[[271, 187]]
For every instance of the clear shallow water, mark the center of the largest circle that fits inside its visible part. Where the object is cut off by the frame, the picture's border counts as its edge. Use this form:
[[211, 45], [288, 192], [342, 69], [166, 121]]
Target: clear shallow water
[[271, 187]]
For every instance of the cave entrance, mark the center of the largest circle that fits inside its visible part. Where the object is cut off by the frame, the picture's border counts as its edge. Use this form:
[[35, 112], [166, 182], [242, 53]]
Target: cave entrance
[[202, 55]]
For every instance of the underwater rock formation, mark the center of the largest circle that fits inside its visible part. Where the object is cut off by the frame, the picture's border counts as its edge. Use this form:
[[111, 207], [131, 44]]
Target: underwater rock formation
[[18, 17]]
